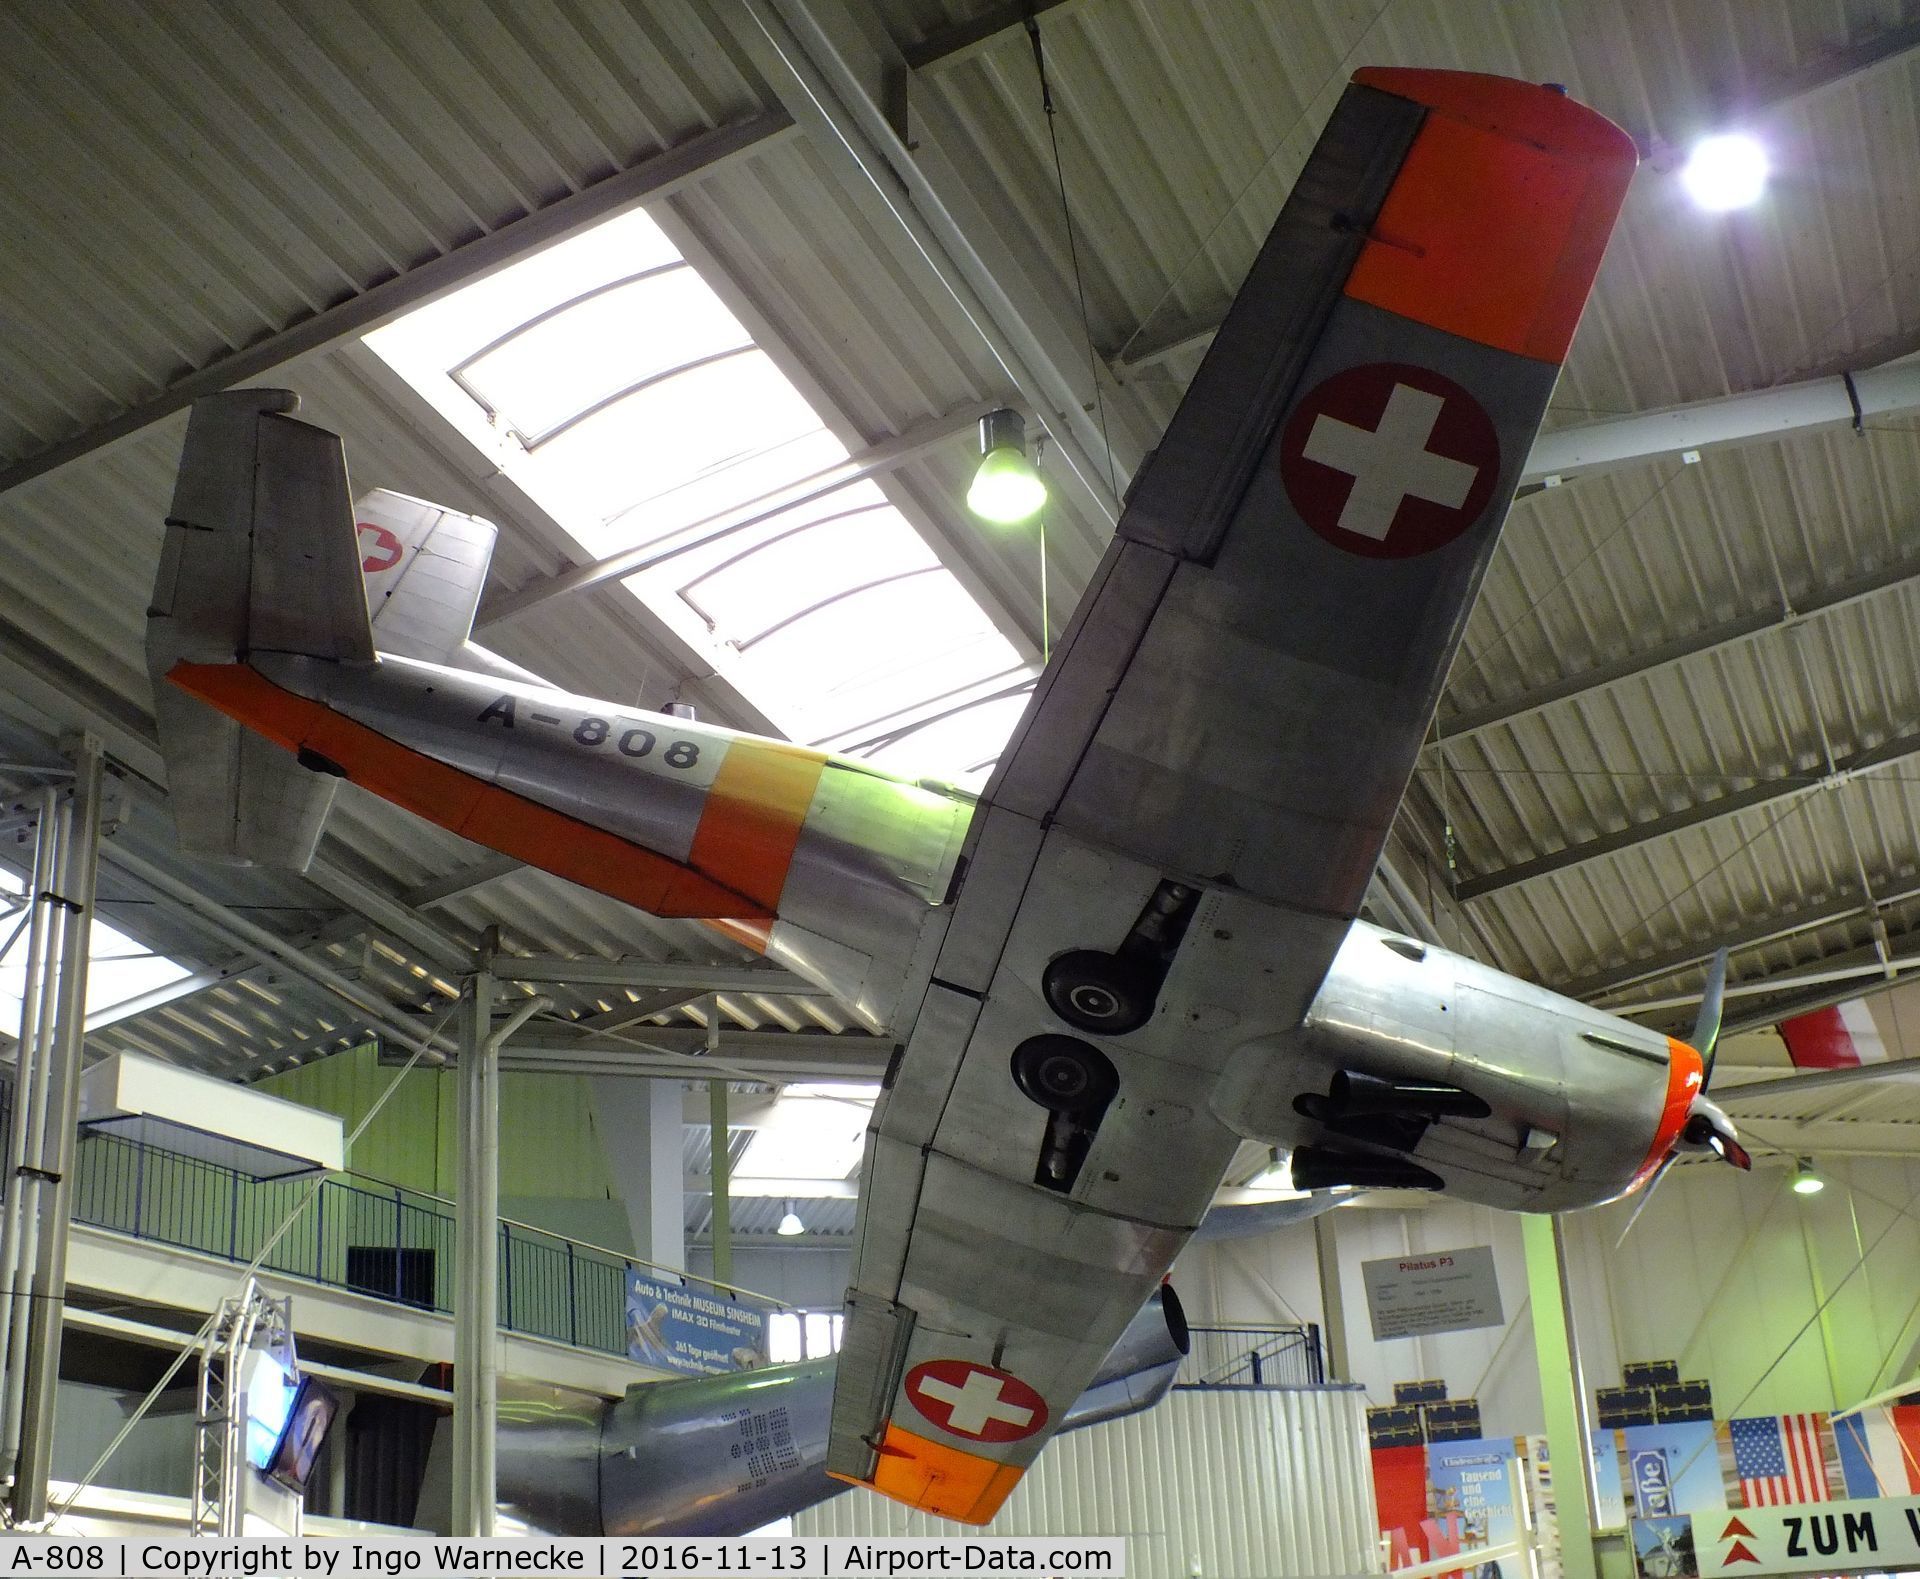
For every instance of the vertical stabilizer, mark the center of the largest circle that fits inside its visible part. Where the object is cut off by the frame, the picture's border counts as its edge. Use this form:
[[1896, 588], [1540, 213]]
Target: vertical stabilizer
[[425, 567], [259, 555]]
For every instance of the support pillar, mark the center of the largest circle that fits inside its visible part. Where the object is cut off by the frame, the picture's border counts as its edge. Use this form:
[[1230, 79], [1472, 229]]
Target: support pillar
[[45, 1183], [642, 1125], [1333, 1304], [1562, 1394], [722, 1163], [476, 1311]]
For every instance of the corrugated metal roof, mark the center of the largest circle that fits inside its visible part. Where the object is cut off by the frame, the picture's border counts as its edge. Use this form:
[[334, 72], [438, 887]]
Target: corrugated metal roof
[[186, 180]]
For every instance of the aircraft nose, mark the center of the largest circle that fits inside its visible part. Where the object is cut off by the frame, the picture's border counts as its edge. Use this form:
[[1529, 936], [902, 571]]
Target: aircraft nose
[[1709, 1129]]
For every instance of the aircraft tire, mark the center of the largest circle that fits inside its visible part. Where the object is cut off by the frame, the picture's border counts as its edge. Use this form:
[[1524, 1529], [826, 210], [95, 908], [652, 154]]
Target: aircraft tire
[[1064, 1075], [1098, 993]]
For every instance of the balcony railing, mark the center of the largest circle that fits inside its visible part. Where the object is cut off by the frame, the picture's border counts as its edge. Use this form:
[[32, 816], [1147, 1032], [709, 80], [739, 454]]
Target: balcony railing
[[358, 1234], [1253, 1357]]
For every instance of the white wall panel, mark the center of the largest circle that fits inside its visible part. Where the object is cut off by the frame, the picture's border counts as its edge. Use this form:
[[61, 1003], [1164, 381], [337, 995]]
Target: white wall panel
[[1225, 1483], [1725, 1272]]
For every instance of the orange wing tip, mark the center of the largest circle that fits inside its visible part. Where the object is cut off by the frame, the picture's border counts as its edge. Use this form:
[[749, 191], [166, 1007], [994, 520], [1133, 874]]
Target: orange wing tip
[[938, 1479], [1495, 226], [1526, 111]]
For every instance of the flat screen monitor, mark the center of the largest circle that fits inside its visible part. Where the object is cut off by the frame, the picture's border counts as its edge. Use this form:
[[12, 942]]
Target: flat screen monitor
[[314, 1406], [270, 1395]]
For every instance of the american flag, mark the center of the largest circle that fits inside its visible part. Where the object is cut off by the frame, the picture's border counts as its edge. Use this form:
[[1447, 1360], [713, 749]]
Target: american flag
[[1779, 1458]]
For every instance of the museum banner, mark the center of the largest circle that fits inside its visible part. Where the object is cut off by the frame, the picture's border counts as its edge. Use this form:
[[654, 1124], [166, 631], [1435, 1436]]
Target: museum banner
[[684, 1327]]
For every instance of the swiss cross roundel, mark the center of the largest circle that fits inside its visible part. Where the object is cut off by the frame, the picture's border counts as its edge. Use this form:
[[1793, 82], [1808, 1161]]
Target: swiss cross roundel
[[976, 1401], [382, 548], [1389, 460]]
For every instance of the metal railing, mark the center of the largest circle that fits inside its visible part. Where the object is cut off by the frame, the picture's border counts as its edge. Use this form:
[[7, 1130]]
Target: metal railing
[[1253, 1357], [359, 1234]]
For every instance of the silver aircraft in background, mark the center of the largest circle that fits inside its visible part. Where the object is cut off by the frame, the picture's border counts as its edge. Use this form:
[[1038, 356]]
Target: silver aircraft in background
[[1139, 946]]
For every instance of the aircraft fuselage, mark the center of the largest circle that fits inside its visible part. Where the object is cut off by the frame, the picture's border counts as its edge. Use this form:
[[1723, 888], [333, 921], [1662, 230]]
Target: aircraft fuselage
[[849, 875]]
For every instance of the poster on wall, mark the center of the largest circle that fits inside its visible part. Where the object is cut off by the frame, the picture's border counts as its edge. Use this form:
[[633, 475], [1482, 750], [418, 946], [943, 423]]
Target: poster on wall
[[1610, 1504], [1471, 1501], [1673, 1469], [676, 1328], [1432, 1291], [1663, 1548]]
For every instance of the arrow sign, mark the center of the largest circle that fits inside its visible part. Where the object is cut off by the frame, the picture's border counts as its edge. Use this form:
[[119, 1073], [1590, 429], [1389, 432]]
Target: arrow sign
[[1735, 1527], [1739, 1553]]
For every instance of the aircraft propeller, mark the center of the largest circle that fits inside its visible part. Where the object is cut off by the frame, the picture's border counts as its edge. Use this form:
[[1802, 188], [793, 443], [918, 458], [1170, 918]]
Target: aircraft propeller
[[1707, 1128]]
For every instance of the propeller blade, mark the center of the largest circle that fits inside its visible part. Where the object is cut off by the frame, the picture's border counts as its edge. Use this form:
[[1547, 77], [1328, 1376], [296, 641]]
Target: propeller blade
[[1706, 1028], [1727, 1149], [1646, 1195]]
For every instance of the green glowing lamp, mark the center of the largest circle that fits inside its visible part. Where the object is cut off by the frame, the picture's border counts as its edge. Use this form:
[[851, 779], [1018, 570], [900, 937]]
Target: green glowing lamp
[[1006, 489]]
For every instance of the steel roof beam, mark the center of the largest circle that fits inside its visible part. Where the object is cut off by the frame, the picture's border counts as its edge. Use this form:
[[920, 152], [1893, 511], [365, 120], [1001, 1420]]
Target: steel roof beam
[[955, 45], [1846, 400], [1825, 996], [1831, 69], [824, 1058], [1767, 792], [1473, 720], [548, 969], [251, 938], [1772, 929], [650, 178], [1034, 349], [457, 885]]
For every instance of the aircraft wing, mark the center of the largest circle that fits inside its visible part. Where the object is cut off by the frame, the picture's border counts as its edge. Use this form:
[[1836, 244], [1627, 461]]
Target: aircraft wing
[[1192, 807]]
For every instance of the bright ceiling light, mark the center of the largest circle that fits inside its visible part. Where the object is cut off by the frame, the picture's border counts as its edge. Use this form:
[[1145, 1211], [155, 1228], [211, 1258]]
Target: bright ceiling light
[[1725, 171], [1006, 489], [1805, 1180], [791, 1224]]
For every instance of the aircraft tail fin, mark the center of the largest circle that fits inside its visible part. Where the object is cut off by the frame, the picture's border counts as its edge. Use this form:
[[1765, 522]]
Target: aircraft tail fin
[[425, 567], [259, 556]]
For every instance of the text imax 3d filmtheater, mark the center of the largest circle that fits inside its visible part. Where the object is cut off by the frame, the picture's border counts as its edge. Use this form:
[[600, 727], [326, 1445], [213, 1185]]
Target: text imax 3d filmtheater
[[1075, 769]]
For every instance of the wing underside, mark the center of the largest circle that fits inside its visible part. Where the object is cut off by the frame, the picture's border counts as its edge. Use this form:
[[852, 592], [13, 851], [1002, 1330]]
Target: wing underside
[[1193, 805]]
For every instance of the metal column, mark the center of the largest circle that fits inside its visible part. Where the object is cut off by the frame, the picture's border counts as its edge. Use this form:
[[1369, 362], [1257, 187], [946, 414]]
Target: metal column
[[722, 1201], [44, 1179], [23, 1136], [476, 1312], [1562, 1394], [1333, 1304], [476, 1299]]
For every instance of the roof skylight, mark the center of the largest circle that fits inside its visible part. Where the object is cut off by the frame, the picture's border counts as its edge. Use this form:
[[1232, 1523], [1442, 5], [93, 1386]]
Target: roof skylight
[[118, 968], [609, 381]]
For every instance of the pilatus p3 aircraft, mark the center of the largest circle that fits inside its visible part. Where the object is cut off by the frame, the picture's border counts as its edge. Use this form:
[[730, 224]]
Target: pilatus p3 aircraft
[[1138, 946]]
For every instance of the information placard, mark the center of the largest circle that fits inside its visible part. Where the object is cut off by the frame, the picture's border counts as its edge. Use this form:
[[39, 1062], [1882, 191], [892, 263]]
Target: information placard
[[1432, 1291]]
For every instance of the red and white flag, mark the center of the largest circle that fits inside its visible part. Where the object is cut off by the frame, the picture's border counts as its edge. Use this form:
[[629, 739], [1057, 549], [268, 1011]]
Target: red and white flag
[[1841, 1037]]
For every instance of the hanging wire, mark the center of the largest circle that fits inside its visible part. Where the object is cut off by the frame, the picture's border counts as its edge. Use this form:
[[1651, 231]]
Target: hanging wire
[[1338, 74], [1073, 254]]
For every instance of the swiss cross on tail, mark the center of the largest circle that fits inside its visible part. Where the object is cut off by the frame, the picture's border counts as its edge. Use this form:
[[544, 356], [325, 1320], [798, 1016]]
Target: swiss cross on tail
[[975, 1400], [383, 549], [1389, 460]]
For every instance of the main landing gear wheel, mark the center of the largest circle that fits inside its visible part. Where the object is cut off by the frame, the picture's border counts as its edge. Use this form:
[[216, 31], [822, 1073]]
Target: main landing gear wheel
[[1064, 1075], [1099, 993]]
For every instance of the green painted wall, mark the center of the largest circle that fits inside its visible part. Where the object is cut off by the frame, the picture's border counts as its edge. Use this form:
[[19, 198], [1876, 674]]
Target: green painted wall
[[553, 1170]]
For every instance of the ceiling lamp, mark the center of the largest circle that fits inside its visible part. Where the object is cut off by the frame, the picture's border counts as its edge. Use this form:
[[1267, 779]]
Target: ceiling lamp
[[1006, 489], [1725, 171], [791, 1224], [1805, 1180]]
